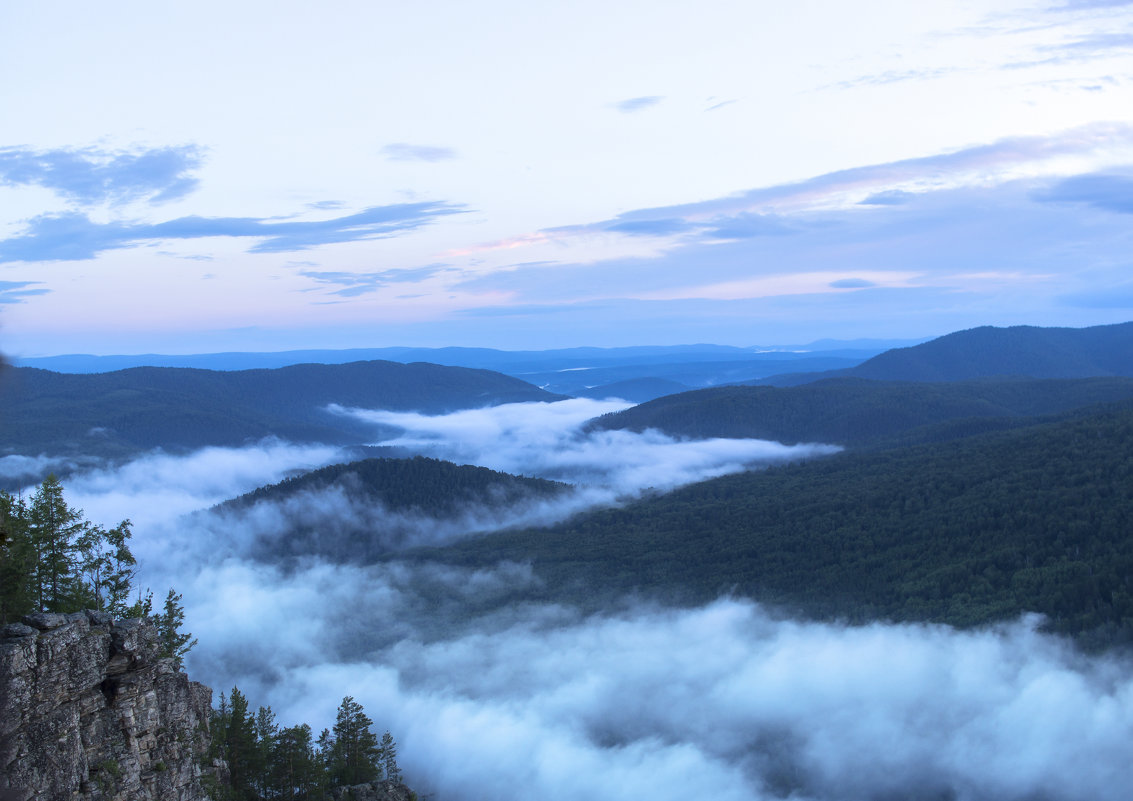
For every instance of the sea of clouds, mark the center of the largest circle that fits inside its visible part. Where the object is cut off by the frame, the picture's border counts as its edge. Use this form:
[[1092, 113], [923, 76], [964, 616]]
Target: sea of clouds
[[492, 696]]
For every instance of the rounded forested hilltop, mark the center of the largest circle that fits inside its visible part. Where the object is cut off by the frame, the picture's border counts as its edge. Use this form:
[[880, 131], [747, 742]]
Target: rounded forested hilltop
[[420, 484]]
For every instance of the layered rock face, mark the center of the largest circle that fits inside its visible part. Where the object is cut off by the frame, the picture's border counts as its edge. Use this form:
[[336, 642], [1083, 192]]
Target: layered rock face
[[89, 711]]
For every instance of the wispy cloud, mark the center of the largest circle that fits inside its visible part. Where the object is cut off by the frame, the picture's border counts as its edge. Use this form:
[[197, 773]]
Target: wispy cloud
[[633, 104], [753, 213], [74, 236], [1087, 5], [16, 291], [353, 284], [403, 151], [893, 76], [90, 176], [891, 197]]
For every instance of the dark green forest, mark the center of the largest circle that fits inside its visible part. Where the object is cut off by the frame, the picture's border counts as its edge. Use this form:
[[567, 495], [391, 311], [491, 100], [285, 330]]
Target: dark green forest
[[966, 532], [863, 413]]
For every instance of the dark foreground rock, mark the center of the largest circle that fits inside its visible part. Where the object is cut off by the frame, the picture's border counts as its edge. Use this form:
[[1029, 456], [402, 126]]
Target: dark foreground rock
[[89, 711]]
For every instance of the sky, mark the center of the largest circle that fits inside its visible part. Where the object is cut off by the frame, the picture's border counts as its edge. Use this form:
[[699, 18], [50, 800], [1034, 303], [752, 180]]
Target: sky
[[183, 178]]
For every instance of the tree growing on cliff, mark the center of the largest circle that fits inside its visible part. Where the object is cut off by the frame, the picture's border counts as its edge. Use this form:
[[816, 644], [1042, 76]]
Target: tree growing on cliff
[[174, 644], [54, 560], [388, 749]]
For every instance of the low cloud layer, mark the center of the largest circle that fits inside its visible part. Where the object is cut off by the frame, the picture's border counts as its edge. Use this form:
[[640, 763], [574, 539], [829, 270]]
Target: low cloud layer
[[492, 695], [723, 701]]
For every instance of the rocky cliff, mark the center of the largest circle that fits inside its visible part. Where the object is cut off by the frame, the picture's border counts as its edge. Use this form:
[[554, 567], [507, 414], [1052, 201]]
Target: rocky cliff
[[89, 711]]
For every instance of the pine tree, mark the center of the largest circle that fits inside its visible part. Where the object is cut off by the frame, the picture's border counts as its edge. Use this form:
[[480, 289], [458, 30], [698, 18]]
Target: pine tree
[[266, 733], [174, 644], [55, 528], [240, 746], [388, 750], [17, 560], [295, 772], [354, 753]]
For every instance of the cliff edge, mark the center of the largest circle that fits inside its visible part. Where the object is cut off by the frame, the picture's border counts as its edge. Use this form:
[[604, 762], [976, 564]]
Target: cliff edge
[[89, 711]]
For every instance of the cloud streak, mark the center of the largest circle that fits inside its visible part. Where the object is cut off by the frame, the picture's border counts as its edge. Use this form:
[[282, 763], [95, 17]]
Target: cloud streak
[[74, 236], [403, 151], [18, 291], [634, 104], [90, 176], [354, 284]]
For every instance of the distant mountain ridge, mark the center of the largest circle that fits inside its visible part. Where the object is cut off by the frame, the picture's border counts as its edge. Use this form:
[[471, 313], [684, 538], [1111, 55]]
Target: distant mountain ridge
[[583, 371], [858, 411], [122, 412], [505, 361], [1102, 350]]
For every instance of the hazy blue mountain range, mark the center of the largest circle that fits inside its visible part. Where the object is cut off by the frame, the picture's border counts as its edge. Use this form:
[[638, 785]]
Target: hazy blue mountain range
[[586, 372], [122, 412], [857, 412], [504, 361]]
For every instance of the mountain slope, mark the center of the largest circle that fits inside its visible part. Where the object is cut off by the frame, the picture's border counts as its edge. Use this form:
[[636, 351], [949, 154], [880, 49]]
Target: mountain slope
[[967, 532], [857, 412]]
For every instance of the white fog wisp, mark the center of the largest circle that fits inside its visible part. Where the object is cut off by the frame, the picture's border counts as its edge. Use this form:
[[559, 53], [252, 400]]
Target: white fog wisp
[[548, 440]]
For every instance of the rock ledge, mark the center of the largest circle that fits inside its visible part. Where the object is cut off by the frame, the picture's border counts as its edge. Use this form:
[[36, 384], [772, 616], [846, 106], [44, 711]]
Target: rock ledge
[[89, 711]]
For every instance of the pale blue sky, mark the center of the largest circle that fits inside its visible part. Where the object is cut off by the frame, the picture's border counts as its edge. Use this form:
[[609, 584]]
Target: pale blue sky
[[274, 175]]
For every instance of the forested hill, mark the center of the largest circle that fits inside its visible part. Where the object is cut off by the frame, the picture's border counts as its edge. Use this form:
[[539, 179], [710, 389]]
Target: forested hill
[[118, 413], [966, 532], [858, 412], [420, 484], [359, 511]]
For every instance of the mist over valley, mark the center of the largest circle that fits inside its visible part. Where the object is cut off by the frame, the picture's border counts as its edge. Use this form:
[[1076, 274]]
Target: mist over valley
[[574, 597]]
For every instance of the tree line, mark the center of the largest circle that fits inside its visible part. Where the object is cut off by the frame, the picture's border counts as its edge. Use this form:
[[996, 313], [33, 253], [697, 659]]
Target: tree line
[[268, 763], [52, 559]]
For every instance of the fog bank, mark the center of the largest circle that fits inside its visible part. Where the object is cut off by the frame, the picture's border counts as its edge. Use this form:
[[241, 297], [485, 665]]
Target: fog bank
[[492, 695]]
